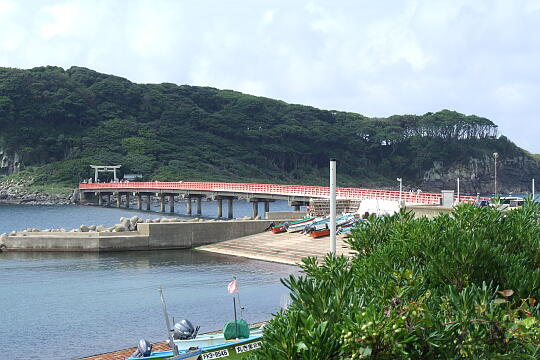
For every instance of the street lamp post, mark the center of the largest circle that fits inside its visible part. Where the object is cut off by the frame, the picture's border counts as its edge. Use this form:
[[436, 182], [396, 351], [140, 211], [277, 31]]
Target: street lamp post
[[495, 156], [400, 189], [458, 190], [333, 206]]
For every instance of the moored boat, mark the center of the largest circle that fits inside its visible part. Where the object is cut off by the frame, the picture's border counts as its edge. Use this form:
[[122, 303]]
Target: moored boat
[[229, 350], [281, 228], [320, 233]]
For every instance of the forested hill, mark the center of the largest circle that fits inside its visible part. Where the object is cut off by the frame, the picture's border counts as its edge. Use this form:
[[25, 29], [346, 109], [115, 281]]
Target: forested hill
[[55, 122]]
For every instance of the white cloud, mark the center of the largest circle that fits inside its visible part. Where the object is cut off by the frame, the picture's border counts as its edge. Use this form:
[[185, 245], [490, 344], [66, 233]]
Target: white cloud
[[375, 58], [64, 18]]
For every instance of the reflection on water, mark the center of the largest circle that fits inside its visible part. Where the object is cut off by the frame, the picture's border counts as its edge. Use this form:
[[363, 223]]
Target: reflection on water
[[88, 303]]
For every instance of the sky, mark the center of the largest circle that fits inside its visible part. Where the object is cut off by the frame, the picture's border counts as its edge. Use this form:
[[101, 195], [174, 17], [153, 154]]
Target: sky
[[376, 58]]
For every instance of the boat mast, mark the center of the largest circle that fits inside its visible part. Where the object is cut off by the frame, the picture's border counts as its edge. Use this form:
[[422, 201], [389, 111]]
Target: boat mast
[[167, 323]]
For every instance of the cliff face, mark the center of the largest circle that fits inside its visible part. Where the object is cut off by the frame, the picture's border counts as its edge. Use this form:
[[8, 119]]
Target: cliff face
[[514, 175], [9, 162]]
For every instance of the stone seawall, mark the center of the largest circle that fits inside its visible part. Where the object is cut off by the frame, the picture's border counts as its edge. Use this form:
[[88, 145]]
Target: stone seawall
[[149, 236]]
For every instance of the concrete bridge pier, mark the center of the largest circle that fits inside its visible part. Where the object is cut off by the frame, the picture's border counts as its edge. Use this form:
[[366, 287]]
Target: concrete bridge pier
[[229, 208], [127, 200], [297, 204], [188, 204], [118, 199], [266, 206], [161, 203], [100, 199], [199, 206], [148, 202], [230, 199], [139, 201], [171, 203], [219, 208], [255, 211], [108, 200]]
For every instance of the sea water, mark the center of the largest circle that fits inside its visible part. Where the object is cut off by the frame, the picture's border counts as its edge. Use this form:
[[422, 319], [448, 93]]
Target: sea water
[[68, 305]]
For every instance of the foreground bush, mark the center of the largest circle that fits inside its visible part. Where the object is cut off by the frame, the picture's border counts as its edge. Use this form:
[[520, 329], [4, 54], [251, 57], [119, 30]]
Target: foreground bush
[[453, 287]]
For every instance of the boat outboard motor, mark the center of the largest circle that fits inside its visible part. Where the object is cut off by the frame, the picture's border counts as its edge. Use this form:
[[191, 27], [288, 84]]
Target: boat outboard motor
[[144, 348], [184, 330]]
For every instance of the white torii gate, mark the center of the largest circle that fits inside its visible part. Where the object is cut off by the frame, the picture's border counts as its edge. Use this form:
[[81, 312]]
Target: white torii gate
[[99, 169]]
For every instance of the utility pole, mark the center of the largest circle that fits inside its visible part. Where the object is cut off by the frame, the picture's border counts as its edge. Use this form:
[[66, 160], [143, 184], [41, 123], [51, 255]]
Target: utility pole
[[333, 206], [458, 190], [400, 189], [495, 156]]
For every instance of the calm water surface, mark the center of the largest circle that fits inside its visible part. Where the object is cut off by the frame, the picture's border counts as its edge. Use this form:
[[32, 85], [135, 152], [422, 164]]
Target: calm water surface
[[70, 305], [67, 305], [20, 217]]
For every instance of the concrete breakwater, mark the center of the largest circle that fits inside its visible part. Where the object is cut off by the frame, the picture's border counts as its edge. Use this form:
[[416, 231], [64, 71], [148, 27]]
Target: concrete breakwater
[[147, 236]]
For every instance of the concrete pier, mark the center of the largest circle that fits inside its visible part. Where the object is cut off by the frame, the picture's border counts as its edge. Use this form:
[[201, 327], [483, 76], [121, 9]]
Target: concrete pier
[[230, 208], [139, 201], [148, 202], [149, 236], [118, 199], [161, 203], [255, 212], [127, 200], [199, 206], [188, 204], [171, 203], [286, 248], [219, 208]]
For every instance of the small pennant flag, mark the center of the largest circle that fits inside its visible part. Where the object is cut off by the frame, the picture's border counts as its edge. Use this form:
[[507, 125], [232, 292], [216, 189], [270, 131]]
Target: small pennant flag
[[233, 287]]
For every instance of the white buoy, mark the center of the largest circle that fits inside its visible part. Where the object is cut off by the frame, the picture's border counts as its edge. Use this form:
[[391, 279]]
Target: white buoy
[[333, 206]]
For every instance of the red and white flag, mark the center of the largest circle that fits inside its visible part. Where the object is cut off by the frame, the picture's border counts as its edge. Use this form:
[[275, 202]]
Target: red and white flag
[[233, 287]]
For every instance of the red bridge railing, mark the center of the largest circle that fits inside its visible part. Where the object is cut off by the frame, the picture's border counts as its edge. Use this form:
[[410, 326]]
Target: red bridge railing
[[275, 189]]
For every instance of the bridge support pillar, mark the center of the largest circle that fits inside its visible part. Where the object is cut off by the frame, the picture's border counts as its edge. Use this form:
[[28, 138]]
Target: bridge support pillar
[[188, 204], [255, 212], [148, 202], [266, 206], [162, 203], [139, 201], [127, 200], [118, 199], [219, 208], [100, 199], [229, 208], [108, 199], [171, 203], [296, 204], [199, 206]]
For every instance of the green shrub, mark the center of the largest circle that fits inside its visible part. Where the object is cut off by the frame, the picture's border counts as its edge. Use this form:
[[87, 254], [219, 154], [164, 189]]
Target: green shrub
[[463, 286]]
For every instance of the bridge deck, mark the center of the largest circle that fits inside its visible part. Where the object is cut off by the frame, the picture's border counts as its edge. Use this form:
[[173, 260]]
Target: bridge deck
[[270, 191]]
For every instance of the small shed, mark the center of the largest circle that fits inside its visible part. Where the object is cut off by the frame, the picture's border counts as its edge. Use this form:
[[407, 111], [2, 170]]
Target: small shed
[[132, 177]]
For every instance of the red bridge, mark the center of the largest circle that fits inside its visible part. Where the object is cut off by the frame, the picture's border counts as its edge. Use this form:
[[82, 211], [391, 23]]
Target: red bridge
[[296, 194]]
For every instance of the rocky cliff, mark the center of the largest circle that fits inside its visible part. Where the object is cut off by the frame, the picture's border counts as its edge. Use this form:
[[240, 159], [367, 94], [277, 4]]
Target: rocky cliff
[[477, 175], [9, 161]]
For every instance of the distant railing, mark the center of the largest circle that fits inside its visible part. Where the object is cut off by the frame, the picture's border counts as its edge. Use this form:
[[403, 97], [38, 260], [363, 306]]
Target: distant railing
[[283, 190]]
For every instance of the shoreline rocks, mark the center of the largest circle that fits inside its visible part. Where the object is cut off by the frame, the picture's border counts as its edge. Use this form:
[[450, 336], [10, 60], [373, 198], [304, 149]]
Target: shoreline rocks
[[125, 225], [15, 192]]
